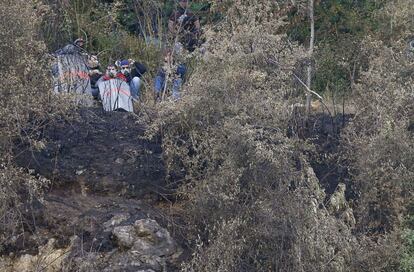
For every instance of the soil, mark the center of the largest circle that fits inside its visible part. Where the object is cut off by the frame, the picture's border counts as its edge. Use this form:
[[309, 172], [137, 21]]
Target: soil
[[100, 153], [100, 165]]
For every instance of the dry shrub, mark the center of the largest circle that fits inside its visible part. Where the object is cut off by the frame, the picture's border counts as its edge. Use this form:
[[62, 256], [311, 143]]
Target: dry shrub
[[380, 144], [26, 81], [27, 105], [18, 192], [395, 20], [250, 203]]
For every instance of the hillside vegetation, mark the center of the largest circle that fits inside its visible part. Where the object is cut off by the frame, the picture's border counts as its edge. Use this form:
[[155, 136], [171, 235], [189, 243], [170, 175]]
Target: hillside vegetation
[[249, 178]]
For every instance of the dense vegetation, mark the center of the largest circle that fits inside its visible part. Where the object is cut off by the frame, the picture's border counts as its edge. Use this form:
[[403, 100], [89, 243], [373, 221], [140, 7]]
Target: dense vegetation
[[262, 185]]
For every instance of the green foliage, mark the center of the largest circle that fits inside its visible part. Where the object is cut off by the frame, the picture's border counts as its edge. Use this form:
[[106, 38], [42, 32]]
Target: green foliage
[[150, 18], [340, 26], [407, 261], [336, 18]]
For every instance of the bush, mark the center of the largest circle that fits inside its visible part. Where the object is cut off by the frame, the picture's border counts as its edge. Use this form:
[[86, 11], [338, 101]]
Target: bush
[[251, 202], [27, 105], [380, 146]]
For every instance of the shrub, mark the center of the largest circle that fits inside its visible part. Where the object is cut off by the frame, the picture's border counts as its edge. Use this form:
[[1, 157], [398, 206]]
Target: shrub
[[380, 146], [27, 105], [250, 201]]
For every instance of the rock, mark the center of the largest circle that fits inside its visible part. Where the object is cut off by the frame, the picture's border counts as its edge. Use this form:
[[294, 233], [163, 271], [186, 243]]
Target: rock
[[119, 161], [49, 259], [348, 217], [125, 236], [153, 238], [313, 183], [116, 220], [80, 172], [146, 227], [337, 203], [147, 242], [338, 206]]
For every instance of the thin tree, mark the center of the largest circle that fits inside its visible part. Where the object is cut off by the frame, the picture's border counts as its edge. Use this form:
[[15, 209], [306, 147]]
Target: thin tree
[[309, 70]]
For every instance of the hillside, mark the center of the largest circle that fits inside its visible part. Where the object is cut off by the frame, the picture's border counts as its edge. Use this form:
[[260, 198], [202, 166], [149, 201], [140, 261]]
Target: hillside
[[275, 136]]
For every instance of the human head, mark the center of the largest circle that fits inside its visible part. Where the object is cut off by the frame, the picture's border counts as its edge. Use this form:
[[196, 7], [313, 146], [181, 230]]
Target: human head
[[124, 66], [183, 3], [111, 70], [93, 62], [79, 42]]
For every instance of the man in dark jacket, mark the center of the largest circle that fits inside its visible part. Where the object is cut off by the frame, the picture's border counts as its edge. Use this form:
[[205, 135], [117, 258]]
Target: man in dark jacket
[[186, 25], [94, 74], [176, 74], [133, 71]]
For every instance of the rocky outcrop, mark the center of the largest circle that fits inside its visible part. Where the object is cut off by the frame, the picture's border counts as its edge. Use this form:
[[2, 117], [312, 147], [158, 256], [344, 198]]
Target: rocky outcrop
[[146, 244], [49, 259], [139, 246], [338, 206]]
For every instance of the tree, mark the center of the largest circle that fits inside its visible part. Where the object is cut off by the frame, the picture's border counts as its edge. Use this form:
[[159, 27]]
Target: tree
[[311, 45]]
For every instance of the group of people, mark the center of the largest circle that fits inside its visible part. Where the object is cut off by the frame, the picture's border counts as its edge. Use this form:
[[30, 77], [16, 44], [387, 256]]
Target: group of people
[[184, 32], [129, 71]]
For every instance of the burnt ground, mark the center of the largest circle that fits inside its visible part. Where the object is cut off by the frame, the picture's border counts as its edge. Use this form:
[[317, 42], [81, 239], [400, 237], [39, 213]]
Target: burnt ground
[[100, 153], [100, 165], [324, 132]]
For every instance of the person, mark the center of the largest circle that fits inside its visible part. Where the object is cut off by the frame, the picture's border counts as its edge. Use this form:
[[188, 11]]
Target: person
[[132, 71], [184, 28], [112, 73], [73, 48], [70, 69], [186, 25], [177, 77], [94, 74], [114, 91]]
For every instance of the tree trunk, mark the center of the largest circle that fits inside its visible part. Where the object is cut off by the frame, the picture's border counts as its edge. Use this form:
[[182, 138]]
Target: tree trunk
[[309, 70]]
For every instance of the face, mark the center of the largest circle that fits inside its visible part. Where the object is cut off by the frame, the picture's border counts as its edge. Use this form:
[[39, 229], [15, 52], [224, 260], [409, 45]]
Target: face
[[183, 3], [80, 44], [93, 62], [111, 71], [125, 69]]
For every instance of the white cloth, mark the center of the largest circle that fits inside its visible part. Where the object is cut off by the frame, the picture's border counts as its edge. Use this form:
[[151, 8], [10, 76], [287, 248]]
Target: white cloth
[[115, 94]]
